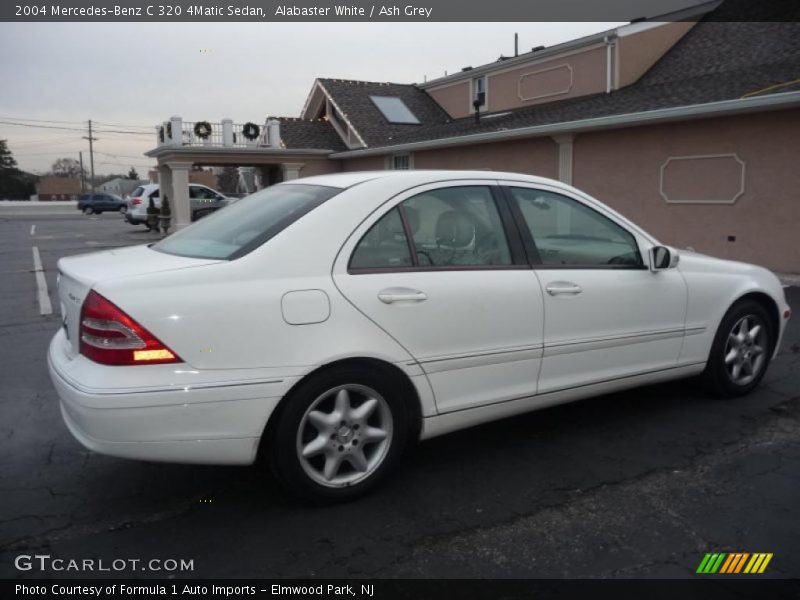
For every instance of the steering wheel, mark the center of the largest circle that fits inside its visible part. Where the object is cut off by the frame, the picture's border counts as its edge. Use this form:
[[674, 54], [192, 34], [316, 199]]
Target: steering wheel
[[426, 255]]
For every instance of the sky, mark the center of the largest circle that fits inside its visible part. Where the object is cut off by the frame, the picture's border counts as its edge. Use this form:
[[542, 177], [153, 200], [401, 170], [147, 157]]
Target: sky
[[128, 77]]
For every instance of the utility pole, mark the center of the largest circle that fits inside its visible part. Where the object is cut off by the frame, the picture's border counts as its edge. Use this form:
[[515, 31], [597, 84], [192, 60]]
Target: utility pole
[[91, 151], [83, 173]]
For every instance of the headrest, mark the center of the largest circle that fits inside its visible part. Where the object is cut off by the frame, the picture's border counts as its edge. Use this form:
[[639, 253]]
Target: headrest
[[455, 229]]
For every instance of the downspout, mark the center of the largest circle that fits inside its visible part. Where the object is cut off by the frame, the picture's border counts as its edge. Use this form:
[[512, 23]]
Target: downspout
[[609, 40]]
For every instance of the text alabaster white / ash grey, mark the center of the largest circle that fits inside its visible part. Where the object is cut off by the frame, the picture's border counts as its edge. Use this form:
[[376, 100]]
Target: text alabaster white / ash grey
[[344, 10]]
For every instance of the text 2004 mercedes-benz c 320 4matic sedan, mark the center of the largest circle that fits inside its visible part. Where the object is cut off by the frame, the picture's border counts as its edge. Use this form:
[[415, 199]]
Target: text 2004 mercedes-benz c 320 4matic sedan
[[328, 323]]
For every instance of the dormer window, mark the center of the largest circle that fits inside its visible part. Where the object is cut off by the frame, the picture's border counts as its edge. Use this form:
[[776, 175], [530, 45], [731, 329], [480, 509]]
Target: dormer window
[[394, 110]]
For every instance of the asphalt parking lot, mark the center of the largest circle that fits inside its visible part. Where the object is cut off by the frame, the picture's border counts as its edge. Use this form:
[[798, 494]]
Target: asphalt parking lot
[[634, 484]]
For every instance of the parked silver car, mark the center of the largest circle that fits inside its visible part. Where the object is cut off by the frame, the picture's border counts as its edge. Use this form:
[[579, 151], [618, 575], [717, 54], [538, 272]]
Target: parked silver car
[[203, 201]]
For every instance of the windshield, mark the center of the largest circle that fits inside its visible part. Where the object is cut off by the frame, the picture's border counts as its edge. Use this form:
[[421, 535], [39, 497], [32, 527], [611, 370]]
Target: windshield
[[237, 229]]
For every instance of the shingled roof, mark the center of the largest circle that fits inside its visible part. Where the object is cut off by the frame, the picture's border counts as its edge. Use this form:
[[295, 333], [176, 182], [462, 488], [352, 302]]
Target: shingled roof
[[714, 61], [353, 100], [718, 59], [305, 133]]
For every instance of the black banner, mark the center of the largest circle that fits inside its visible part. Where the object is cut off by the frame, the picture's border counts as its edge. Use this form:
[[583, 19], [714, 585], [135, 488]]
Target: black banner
[[369, 10], [705, 588]]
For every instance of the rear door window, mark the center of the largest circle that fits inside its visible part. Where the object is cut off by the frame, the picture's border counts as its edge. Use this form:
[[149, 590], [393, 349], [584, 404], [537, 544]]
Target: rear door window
[[450, 228]]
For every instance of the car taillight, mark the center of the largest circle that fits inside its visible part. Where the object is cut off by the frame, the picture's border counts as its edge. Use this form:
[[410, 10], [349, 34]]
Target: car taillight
[[135, 201], [110, 337]]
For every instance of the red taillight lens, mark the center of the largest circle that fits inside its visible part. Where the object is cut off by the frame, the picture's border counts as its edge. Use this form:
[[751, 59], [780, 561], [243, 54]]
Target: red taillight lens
[[110, 337], [135, 201]]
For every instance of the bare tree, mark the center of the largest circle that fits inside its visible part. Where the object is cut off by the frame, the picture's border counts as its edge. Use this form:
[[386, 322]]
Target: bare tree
[[66, 167]]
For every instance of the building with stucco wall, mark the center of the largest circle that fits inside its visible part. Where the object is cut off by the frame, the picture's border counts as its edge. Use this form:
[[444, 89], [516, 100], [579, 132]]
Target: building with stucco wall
[[689, 127]]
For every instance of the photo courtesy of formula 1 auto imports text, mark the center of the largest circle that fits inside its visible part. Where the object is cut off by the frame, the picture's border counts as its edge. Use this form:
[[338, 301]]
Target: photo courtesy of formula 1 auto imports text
[[376, 301]]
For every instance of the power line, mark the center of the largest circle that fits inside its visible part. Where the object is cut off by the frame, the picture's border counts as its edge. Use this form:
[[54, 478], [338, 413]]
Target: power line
[[128, 132], [56, 153], [42, 120], [116, 155], [72, 128], [40, 126], [150, 127], [26, 144]]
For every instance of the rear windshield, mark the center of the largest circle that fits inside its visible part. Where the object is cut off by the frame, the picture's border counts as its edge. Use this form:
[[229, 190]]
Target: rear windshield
[[237, 229], [137, 192]]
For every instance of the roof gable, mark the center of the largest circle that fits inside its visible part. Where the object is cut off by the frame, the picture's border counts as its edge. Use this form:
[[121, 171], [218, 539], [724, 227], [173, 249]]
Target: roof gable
[[353, 100], [309, 133]]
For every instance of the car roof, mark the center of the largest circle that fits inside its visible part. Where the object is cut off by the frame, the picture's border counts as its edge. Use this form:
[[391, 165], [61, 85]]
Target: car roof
[[415, 176], [153, 186]]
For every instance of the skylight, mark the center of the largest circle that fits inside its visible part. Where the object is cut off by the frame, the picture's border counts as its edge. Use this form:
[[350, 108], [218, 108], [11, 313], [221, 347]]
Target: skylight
[[394, 109]]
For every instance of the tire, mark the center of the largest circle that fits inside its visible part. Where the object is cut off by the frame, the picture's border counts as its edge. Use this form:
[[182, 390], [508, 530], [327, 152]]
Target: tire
[[741, 350], [204, 212], [88, 210], [123, 210], [338, 458]]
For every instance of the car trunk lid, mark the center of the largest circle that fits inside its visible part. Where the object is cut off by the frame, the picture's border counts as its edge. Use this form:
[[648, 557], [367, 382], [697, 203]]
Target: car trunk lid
[[77, 275]]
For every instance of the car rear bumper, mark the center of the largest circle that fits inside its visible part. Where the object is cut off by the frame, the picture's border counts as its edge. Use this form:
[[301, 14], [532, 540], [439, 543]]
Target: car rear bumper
[[209, 424], [133, 219]]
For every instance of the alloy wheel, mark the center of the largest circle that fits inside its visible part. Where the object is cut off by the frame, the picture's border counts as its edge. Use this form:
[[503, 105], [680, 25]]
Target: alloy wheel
[[344, 435], [745, 350]]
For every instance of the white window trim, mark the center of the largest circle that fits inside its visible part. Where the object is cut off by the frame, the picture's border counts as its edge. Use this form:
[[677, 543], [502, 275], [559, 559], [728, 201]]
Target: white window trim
[[390, 161]]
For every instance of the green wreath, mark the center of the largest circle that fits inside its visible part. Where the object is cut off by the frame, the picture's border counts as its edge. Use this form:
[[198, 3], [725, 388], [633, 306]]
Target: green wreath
[[251, 131], [202, 129]]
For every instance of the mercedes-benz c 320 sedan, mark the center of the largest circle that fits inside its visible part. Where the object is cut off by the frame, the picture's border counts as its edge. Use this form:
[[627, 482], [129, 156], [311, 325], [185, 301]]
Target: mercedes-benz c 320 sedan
[[328, 323]]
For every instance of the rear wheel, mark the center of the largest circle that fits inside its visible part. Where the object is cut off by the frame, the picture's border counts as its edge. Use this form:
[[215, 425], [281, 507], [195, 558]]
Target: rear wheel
[[741, 350], [339, 434]]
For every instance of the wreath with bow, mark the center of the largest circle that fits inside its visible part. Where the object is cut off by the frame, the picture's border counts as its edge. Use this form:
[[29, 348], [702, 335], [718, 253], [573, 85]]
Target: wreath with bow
[[202, 129], [251, 131]]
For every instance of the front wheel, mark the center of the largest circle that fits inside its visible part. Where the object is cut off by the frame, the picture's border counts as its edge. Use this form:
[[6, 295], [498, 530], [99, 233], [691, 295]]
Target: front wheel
[[123, 209], [741, 350], [339, 434], [88, 210]]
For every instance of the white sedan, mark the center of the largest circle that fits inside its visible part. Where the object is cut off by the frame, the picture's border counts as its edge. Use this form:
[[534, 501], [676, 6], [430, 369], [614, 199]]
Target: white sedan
[[328, 323]]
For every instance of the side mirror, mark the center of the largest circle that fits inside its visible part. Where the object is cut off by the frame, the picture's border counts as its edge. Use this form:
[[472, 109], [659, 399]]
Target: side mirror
[[662, 257]]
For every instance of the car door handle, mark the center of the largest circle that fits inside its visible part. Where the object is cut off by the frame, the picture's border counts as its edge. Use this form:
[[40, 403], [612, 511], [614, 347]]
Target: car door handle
[[401, 294], [558, 288]]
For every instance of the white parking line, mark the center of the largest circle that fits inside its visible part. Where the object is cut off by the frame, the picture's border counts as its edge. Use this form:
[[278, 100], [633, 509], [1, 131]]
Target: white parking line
[[33, 229], [45, 308]]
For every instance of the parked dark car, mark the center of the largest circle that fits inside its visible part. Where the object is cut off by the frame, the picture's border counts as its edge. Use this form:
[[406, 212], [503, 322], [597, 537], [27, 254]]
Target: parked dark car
[[96, 203]]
